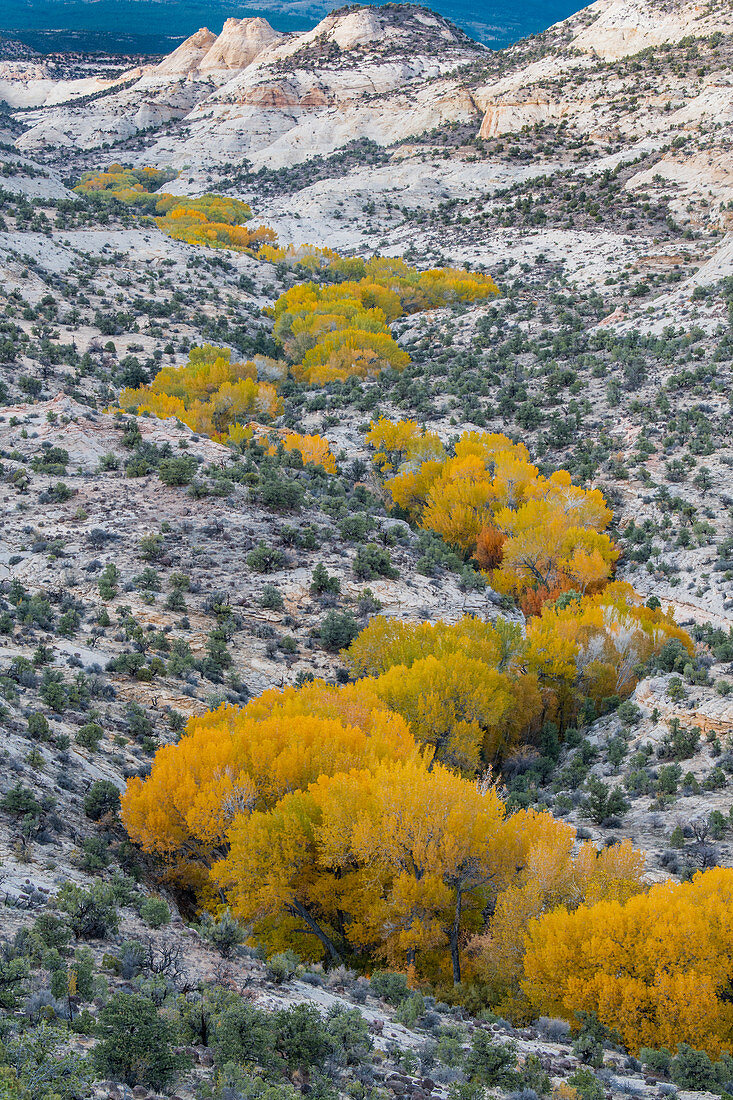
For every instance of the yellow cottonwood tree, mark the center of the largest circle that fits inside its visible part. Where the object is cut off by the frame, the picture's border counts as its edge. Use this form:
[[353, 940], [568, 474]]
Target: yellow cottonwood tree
[[657, 967], [456, 704], [229, 763], [313, 448], [400, 859], [210, 393], [537, 537], [552, 874]]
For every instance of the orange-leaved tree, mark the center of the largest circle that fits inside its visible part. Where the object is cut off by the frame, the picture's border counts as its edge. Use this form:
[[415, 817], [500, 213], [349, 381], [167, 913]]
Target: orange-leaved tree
[[474, 690], [231, 762], [535, 536], [401, 859], [552, 874], [210, 393], [657, 967]]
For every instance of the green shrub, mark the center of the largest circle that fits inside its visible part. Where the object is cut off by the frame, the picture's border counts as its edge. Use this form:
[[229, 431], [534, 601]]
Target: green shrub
[[43, 1067], [373, 561], [38, 727], [283, 966], [281, 495], [241, 1033], [586, 1084], [338, 630], [301, 1038], [694, 1071], [349, 1035], [89, 736], [51, 460], [265, 559], [489, 1062], [13, 977], [322, 583], [629, 713], [680, 743], [151, 547], [92, 913], [411, 1009], [135, 1043], [533, 1076], [102, 798], [53, 690], [20, 801], [389, 986], [604, 802], [107, 583], [657, 1062], [176, 471], [224, 933], [271, 598], [155, 912]]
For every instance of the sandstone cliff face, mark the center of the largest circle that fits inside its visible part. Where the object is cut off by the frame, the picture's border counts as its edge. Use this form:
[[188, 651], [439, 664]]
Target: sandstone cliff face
[[188, 56], [618, 28], [385, 74], [576, 79], [239, 43]]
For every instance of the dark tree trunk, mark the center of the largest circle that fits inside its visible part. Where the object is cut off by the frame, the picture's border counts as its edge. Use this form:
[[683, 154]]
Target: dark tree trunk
[[453, 937], [300, 910]]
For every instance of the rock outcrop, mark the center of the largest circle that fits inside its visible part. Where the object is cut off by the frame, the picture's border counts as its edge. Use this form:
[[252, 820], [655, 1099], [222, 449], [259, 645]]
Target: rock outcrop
[[379, 73], [618, 28], [188, 56], [240, 42]]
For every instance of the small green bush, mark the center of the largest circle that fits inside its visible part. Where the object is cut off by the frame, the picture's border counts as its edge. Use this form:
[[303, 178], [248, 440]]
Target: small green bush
[[657, 1062], [373, 561], [586, 1084], [271, 598], [322, 583], [265, 559], [135, 1043], [89, 736], [489, 1062], [102, 798], [176, 471], [338, 630], [389, 986], [38, 727], [155, 912], [283, 966]]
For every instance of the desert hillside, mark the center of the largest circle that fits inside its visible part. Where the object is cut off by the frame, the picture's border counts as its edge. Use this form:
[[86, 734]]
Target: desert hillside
[[366, 562]]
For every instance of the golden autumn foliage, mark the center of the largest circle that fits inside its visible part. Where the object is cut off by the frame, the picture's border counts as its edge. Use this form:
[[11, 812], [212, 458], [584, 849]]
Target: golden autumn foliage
[[473, 690], [593, 647], [215, 221], [129, 186], [333, 331], [313, 448], [318, 814], [536, 536], [372, 859], [657, 967], [233, 760], [209, 393], [552, 875], [400, 860], [308, 256]]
